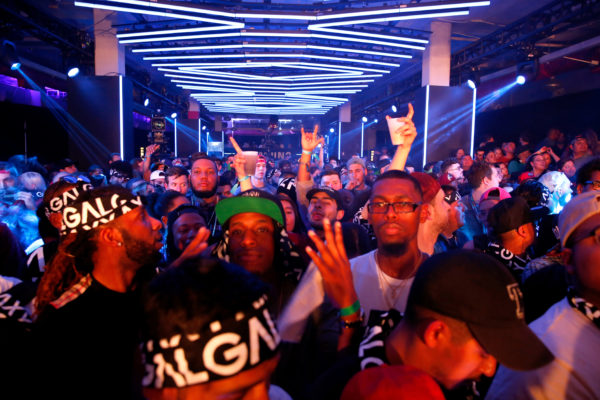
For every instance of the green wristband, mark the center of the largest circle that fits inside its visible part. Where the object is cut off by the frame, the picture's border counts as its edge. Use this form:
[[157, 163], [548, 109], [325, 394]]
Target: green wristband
[[351, 309], [244, 178]]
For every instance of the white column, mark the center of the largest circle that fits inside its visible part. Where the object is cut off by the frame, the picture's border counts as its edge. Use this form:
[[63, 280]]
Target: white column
[[436, 58], [109, 56]]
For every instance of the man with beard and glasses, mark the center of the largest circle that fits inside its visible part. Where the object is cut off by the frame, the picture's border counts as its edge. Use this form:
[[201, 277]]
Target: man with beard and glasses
[[203, 182], [86, 333], [382, 277]]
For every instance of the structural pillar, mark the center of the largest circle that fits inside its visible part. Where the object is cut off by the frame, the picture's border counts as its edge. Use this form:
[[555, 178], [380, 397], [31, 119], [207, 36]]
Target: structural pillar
[[109, 57], [436, 59]]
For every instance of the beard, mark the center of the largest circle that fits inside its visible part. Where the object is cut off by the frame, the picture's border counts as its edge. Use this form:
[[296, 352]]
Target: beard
[[395, 249], [143, 253], [205, 194]]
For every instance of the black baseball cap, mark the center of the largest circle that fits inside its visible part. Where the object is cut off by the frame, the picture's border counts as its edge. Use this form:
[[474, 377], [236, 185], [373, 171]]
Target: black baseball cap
[[478, 290], [450, 194], [252, 200], [509, 214], [329, 191]]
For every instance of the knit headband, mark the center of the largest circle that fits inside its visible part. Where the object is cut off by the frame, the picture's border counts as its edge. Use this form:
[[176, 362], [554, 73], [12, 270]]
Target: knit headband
[[226, 348]]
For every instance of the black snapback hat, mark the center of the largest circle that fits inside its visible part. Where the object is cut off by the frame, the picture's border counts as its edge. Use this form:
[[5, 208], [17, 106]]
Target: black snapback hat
[[509, 214], [478, 290], [329, 191]]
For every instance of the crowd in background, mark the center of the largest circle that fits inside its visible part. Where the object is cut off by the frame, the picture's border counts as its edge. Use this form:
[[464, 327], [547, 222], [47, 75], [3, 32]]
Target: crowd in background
[[333, 278]]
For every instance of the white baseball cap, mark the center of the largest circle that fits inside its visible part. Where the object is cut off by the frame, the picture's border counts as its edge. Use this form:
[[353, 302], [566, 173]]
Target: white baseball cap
[[583, 211]]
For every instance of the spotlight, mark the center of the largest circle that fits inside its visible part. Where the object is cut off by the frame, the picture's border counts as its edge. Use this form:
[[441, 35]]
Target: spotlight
[[73, 72], [376, 120], [9, 56], [520, 80], [331, 130], [364, 119], [174, 115], [146, 102], [471, 84], [394, 108], [204, 128]]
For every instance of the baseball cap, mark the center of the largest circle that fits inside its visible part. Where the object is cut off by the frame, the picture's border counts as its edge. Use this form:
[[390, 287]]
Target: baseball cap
[[509, 214], [580, 217], [121, 168], [450, 194], [327, 190], [158, 174], [446, 179], [495, 193], [392, 382], [477, 289], [252, 200], [429, 186]]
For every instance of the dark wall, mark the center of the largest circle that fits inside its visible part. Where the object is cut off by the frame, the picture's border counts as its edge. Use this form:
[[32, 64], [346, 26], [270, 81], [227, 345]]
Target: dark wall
[[46, 138], [94, 103], [572, 114]]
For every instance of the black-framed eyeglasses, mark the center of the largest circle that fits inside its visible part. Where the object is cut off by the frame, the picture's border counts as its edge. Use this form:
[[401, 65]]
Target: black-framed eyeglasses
[[399, 207], [595, 184]]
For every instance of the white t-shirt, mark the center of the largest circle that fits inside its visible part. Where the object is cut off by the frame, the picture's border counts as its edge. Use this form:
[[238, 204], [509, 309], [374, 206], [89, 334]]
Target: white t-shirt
[[375, 289], [575, 372]]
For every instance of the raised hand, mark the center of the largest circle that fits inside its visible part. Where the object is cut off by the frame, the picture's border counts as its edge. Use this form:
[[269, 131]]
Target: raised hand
[[407, 131], [194, 248], [333, 264], [310, 140], [151, 149], [239, 163]]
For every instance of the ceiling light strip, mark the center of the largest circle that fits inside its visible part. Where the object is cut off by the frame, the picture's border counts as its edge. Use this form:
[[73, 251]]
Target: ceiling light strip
[[390, 19], [126, 35], [369, 34]]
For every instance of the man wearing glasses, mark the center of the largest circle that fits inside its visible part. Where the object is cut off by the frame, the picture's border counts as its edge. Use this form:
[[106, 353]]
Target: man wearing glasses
[[383, 277], [588, 177]]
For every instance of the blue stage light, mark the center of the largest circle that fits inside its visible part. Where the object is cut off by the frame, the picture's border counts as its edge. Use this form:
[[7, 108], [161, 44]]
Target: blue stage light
[[364, 119], [73, 72], [376, 120], [15, 66], [471, 84], [394, 109], [520, 79], [146, 102], [174, 115], [331, 130]]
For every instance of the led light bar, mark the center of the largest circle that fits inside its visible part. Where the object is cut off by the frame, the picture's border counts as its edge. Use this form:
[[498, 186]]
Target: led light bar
[[284, 64], [404, 8], [183, 37], [369, 34], [194, 85], [200, 10], [270, 34], [270, 55], [182, 30], [151, 12], [187, 48], [268, 46], [346, 75], [394, 18], [350, 39]]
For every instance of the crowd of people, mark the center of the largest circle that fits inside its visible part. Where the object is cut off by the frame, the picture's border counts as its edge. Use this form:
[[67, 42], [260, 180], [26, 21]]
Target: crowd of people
[[305, 278]]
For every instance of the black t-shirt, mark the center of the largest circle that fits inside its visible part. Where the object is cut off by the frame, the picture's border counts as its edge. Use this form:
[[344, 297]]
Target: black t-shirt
[[89, 347], [39, 258]]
